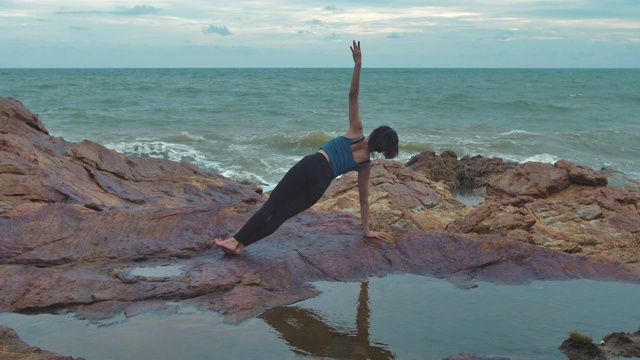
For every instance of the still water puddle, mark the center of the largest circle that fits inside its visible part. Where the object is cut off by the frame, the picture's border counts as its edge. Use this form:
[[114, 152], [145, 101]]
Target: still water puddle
[[158, 271], [395, 317]]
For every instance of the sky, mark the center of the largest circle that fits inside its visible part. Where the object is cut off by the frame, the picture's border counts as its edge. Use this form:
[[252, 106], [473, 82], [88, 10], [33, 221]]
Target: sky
[[288, 33]]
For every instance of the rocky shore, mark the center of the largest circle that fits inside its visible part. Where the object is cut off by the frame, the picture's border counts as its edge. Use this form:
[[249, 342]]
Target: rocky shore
[[78, 220]]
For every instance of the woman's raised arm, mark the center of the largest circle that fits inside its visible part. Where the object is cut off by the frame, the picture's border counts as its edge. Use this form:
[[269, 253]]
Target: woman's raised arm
[[355, 122]]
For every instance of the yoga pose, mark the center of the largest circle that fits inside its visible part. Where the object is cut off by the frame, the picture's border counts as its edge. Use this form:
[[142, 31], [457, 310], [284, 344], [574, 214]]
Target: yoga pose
[[305, 183]]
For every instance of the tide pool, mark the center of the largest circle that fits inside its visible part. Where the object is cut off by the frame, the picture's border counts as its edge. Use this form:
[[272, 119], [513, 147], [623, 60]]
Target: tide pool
[[395, 317]]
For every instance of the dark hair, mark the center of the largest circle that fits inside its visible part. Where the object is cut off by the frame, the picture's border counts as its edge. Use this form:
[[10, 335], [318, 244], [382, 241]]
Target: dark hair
[[384, 140]]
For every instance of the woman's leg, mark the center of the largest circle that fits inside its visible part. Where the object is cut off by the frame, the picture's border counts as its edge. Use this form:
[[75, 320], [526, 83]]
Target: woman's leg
[[301, 187], [302, 201], [291, 184]]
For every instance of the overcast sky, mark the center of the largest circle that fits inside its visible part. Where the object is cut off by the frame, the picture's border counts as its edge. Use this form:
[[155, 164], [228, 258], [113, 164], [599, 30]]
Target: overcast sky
[[297, 33]]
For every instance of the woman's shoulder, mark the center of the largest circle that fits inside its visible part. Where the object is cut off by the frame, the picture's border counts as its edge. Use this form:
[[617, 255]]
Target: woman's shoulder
[[353, 134]]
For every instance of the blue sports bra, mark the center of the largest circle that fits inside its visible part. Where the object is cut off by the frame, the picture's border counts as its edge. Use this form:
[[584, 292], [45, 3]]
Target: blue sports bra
[[339, 151]]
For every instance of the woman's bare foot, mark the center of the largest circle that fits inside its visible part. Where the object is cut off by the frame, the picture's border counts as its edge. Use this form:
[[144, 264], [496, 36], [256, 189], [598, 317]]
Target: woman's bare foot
[[229, 246]]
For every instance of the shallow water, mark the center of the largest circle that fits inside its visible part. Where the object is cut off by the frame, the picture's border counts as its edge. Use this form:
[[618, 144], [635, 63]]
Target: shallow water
[[158, 271], [398, 316]]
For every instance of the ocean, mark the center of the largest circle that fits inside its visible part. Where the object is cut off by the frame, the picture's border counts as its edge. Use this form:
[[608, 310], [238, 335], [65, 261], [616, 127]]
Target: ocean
[[254, 124]]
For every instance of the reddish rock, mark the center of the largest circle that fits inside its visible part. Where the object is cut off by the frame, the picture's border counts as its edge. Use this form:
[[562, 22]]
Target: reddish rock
[[38, 168], [582, 175], [437, 168], [12, 108], [579, 218], [467, 175], [400, 198], [474, 173], [534, 179]]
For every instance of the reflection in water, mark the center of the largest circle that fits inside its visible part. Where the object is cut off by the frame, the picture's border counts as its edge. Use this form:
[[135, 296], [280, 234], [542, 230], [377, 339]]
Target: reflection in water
[[308, 334]]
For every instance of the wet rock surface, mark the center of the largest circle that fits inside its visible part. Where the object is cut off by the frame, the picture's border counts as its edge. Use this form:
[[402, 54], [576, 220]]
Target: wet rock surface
[[78, 222]]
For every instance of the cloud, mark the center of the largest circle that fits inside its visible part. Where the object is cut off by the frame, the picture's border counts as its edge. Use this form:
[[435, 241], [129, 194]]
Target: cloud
[[505, 35], [333, 8], [333, 36], [453, 28], [314, 22], [137, 10], [134, 11], [220, 30]]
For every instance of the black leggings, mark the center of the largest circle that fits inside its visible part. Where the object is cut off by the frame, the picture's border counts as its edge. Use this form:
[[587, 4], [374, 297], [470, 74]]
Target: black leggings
[[299, 189]]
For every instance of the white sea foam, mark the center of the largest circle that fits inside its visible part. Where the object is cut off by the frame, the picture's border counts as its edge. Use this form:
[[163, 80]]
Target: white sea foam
[[543, 158], [193, 137], [170, 151], [518, 132]]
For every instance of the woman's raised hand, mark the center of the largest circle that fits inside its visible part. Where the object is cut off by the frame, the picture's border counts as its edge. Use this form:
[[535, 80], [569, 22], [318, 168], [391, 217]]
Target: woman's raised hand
[[357, 54]]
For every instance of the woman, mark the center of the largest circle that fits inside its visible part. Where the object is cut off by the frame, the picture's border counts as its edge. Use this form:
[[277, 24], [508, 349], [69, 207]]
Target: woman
[[305, 183]]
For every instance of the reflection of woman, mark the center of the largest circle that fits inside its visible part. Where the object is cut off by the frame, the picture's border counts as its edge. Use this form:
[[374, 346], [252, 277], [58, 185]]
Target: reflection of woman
[[308, 334], [305, 183]]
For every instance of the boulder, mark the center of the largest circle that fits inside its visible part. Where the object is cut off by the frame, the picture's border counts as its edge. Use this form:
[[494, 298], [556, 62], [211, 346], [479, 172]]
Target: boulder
[[475, 172], [575, 350], [466, 175], [534, 179], [437, 168], [621, 344], [399, 197], [542, 204], [613, 346], [36, 168]]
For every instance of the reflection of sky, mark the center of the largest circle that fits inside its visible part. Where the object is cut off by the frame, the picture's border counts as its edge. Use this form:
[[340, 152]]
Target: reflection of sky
[[410, 316], [275, 33]]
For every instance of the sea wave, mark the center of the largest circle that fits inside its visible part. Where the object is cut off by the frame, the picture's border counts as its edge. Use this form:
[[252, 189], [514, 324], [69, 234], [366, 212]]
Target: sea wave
[[186, 137], [295, 140], [543, 158], [165, 150], [517, 132]]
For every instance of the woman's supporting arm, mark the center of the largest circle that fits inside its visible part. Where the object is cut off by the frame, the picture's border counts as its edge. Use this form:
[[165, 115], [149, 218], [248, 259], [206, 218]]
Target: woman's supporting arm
[[363, 190]]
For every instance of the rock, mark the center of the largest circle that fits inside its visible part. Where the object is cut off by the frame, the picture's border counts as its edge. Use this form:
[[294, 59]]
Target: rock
[[475, 173], [578, 351], [615, 345], [12, 108], [12, 347], [620, 344], [467, 175], [399, 198], [38, 168], [589, 219], [437, 168], [582, 175], [534, 179]]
